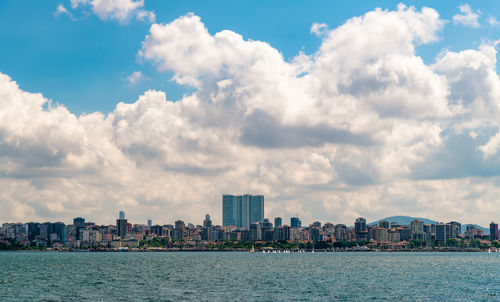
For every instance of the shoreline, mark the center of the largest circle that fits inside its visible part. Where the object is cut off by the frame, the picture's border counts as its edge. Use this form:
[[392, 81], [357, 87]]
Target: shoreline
[[132, 250]]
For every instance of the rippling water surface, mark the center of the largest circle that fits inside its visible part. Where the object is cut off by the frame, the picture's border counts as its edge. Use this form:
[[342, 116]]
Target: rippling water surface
[[228, 276]]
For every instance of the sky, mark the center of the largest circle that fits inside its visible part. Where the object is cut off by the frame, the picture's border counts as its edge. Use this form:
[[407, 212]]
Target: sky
[[332, 110]]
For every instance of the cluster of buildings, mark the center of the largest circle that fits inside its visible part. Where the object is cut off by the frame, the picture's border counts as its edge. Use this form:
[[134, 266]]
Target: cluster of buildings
[[243, 220]]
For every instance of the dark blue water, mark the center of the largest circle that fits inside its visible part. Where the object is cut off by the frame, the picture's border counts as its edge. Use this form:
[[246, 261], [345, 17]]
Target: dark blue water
[[224, 276]]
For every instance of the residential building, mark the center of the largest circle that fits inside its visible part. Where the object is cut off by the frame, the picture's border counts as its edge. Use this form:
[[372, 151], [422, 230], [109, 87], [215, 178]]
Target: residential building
[[277, 222], [295, 223], [493, 231]]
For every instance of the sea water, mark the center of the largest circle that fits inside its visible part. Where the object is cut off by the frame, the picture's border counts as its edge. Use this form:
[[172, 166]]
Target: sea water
[[243, 276]]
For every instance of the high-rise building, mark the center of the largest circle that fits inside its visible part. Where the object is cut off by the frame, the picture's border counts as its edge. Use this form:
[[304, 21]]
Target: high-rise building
[[381, 234], [417, 229], [157, 229], [242, 210], [150, 223], [267, 230], [256, 208], [121, 225], [78, 221], [314, 234], [360, 225], [360, 229], [286, 232], [229, 210], [494, 231], [207, 223], [179, 230], [255, 232], [278, 222], [442, 235], [32, 230], [340, 232], [455, 229], [295, 223]]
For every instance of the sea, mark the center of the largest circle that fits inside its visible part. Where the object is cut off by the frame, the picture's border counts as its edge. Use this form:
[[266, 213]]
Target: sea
[[244, 276]]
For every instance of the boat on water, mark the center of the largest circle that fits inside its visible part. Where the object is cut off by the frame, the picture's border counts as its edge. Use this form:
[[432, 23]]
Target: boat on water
[[253, 249]]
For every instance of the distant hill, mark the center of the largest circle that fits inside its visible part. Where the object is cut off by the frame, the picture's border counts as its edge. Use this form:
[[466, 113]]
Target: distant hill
[[404, 220]]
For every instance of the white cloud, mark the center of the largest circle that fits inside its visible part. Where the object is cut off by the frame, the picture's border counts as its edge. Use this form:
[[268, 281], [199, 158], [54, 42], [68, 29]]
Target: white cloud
[[362, 127], [492, 21], [61, 10], [144, 15], [76, 3], [135, 77], [491, 147], [119, 10], [467, 16], [319, 29]]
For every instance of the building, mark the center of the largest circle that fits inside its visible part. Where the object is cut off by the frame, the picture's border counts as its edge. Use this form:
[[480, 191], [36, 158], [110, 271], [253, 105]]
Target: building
[[340, 232], [278, 222], [295, 223], [393, 236], [384, 224], [179, 230], [207, 223], [121, 225], [493, 231], [78, 221], [150, 223], [455, 229], [442, 233], [417, 229], [360, 229], [381, 234], [32, 230], [242, 210], [314, 234], [360, 225], [470, 231], [255, 233], [157, 230], [79, 224], [229, 210]]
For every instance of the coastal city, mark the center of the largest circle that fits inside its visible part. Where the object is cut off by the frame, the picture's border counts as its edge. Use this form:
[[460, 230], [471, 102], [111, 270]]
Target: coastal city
[[245, 228]]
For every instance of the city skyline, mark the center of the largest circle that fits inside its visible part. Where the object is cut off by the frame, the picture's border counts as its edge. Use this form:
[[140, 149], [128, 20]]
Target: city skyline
[[388, 234], [292, 221], [330, 110]]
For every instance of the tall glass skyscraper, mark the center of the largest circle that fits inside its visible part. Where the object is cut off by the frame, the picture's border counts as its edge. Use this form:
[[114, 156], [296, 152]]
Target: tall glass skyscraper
[[242, 210], [295, 223], [228, 210]]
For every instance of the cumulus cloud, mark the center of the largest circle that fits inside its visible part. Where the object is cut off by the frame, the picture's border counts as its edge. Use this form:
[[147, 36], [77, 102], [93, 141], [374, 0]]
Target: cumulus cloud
[[147, 16], [119, 10], [467, 16], [135, 77], [319, 29], [361, 127]]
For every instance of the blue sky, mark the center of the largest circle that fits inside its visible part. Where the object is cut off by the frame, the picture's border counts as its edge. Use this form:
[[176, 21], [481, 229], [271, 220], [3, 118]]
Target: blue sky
[[76, 62], [332, 110]]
